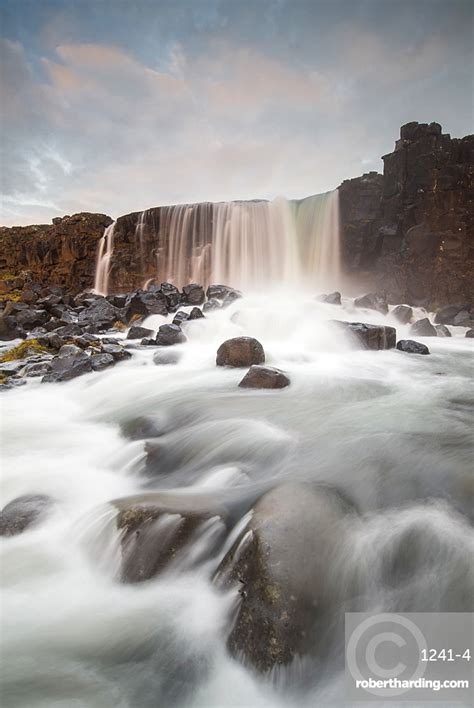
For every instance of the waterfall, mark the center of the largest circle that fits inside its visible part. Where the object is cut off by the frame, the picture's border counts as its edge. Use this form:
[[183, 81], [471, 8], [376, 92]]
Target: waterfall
[[104, 259], [245, 244]]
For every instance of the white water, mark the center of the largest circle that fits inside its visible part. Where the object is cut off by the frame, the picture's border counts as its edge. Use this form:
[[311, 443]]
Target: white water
[[245, 243], [392, 430]]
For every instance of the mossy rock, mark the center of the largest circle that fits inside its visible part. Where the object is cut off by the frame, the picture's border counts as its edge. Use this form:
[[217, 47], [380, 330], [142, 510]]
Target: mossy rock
[[30, 347]]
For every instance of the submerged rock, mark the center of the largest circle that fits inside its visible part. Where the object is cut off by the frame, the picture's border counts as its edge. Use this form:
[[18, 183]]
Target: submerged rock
[[331, 299], [411, 347], [369, 335], [165, 357], [162, 529], [23, 512], [372, 301], [240, 352], [423, 328], [402, 313], [286, 564], [141, 428], [442, 331], [264, 377]]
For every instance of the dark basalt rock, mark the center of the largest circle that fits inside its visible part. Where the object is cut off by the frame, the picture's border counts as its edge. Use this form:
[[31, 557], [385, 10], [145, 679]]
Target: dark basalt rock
[[141, 428], [423, 328], [136, 332], [223, 293], [264, 377], [331, 299], [402, 313], [448, 314], [212, 304], [38, 368], [180, 317], [99, 315], [143, 302], [101, 361], [372, 301], [411, 347], [470, 333], [290, 597], [52, 340], [159, 530], [463, 318], [172, 295], [195, 314], [9, 328], [27, 319], [70, 363], [116, 351], [70, 330], [169, 334], [118, 301], [240, 352], [369, 335], [23, 512], [193, 294], [442, 331]]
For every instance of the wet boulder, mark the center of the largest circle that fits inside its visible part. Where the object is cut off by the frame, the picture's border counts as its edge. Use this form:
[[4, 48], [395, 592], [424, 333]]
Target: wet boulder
[[442, 331], [287, 567], [70, 362], [331, 299], [423, 328], [180, 317], [23, 512], [118, 352], [37, 368], [98, 316], [402, 313], [101, 361], [193, 294], [470, 333], [169, 334], [30, 318], [196, 314], [172, 295], [118, 301], [144, 302], [223, 294], [462, 319], [136, 332], [69, 330], [370, 336], [163, 531], [372, 301], [9, 328], [411, 347], [448, 314], [264, 377], [211, 305], [240, 352]]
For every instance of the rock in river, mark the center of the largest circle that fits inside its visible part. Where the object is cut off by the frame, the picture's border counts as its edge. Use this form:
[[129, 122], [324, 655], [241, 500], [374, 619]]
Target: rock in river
[[423, 328], [240, 352], [411, 347], [264, 377], [23, 512], [369, 335]]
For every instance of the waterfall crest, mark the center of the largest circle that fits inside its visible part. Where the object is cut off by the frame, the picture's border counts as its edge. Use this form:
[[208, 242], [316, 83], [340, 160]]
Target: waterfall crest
[[246, 244]]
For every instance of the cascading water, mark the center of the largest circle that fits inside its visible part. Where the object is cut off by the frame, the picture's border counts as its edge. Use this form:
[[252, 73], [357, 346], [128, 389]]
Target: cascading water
[[104, 260], [244, 244]]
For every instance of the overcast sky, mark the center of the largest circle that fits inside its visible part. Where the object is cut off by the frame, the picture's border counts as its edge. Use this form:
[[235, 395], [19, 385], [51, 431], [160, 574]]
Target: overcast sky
[[119, 105]]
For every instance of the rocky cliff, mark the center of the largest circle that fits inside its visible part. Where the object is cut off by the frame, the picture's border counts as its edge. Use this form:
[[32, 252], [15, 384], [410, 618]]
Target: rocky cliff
[[413, 227], [410, 230]]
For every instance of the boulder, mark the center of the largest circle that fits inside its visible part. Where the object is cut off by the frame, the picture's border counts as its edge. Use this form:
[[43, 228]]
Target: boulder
[[99, 315], [38, 368], [195, 314], [447, 314], [180, 317], [264, 377], [118, 352], [172, 295], [211, 305], [331, 299], [240, 352], [29, 318], [470, 333], [442, 331], [372, 301], [163, 530], [223, 293], [402, 313], [70, 363], [23, 512], [70, 330], [369, 335], [143, 302], [101, 361], [136, 332], [411, 347], [169, 334], [9, 329], [193, 294], [423, 328], [287, 566], [462, 318], [51, 340], [118, 301]]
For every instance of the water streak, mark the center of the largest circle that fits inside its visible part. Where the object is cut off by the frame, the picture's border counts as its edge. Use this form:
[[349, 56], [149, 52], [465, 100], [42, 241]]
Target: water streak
[[104, 260]]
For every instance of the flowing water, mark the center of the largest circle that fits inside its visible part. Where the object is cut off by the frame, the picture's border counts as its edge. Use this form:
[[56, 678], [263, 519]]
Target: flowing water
[[391, 430], [247, 244]]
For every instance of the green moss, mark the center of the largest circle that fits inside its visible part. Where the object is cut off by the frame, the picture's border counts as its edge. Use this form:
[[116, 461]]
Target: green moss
[[29, 347], [14, 296]]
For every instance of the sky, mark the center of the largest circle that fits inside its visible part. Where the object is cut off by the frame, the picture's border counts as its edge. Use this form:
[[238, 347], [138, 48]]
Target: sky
[[115, 106]]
